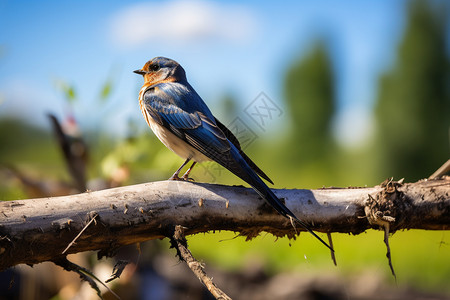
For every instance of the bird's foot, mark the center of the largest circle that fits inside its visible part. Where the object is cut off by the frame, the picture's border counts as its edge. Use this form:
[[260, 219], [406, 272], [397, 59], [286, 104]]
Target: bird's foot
[[175, 177], [187, 178]]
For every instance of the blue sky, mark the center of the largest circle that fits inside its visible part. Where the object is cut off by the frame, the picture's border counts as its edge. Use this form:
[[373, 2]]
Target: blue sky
[[224, 46]]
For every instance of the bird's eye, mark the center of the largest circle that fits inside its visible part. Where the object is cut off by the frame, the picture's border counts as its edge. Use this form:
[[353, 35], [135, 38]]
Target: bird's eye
[[154, 68]]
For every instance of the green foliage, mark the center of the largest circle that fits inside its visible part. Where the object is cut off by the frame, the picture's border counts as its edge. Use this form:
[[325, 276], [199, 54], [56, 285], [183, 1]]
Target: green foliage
[[228, 108], [30, 151], [310, 98], [108, 87], [67, 90], [106, 90], [309, 151], [413, 108], [18, 138]]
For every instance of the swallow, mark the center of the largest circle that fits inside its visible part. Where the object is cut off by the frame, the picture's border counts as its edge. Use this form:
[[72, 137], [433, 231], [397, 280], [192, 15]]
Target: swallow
[[183, 123]]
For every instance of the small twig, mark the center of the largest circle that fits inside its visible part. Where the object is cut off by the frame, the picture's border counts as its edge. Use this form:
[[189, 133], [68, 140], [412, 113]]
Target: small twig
[[84, 274], [117, 270], [81, 232], [330, 241], [178, 241], [388, 249], [444, 169], [293, 224]]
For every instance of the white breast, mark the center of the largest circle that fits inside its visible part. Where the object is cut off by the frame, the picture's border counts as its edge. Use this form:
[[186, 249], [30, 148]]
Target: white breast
[[174, 143]]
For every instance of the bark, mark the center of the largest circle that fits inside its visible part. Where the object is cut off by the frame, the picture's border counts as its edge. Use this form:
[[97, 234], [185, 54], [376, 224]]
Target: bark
[[37, 230]]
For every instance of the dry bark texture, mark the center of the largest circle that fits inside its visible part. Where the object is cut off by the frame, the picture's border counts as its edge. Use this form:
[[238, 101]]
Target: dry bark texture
[[37, 230]]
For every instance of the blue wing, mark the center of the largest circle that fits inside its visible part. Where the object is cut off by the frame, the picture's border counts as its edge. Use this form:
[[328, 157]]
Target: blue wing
[[230, 136], [184, 113], [168, 104]]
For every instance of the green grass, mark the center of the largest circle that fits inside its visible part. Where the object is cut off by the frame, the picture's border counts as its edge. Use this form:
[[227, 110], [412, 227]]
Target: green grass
[[421, 258]]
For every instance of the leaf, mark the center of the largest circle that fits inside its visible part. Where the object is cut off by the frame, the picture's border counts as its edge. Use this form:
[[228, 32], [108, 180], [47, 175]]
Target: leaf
[[68, 90], [106, 90], [70, 94]]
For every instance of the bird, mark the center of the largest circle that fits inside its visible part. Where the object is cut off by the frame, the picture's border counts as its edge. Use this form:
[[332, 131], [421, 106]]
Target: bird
[[183, 123]]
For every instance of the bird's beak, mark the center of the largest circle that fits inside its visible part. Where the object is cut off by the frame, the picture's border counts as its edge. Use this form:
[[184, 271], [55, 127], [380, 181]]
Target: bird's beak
[[140, 72]]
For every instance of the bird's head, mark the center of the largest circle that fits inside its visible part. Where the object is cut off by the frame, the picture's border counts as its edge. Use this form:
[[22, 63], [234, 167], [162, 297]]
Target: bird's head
[[161, 69]]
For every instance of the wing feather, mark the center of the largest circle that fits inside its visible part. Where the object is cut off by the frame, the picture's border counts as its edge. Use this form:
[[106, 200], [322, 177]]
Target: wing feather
[[233, 139], [195, 128]]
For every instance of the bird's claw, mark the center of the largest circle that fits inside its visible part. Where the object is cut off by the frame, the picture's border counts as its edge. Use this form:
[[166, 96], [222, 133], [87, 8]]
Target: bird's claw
[[186, 178], [175, 177]]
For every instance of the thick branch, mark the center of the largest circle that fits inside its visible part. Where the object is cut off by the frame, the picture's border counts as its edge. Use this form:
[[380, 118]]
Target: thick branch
[[36, 230]]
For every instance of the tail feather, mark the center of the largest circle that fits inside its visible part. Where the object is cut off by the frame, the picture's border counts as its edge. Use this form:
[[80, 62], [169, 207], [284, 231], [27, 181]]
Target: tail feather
[[241, 169], [264, 191]]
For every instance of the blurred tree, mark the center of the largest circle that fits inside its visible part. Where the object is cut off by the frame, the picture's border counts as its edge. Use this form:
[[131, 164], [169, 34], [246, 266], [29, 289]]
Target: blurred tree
[[228, 106], [310, 97], [16, 136], [413, 108]]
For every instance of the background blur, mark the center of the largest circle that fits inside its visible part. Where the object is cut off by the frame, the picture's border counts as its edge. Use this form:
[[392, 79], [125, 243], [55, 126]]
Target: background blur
[[324, 93]]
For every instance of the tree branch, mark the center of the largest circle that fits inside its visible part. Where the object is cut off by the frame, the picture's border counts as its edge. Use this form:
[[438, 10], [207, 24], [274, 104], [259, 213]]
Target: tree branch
[[37, 230], [178, 241]]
